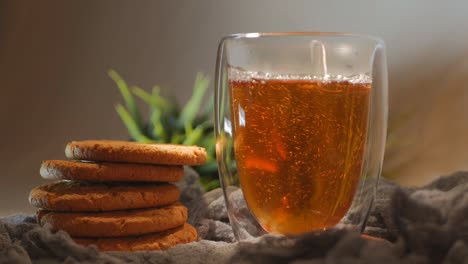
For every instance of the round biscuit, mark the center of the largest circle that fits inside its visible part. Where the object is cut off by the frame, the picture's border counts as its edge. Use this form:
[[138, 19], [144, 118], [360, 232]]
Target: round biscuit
[[76, 196], [134, 152], [116, 223], [107, 171], [155, 241]]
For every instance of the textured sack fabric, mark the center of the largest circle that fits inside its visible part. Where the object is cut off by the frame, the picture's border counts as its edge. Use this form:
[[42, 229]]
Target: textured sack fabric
[[423, 225]]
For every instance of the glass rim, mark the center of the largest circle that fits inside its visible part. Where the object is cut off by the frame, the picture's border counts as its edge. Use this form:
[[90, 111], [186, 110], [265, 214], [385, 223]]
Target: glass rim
[[256, 35]]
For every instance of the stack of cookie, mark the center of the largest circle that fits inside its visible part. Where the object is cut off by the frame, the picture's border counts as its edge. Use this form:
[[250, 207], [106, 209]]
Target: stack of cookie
[[118, 195]]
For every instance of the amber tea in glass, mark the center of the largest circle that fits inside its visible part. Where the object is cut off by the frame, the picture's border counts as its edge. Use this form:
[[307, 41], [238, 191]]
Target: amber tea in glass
[[299, 148]]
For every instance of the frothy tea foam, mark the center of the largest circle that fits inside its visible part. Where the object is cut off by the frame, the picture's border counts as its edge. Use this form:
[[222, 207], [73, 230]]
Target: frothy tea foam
[[236, 74]]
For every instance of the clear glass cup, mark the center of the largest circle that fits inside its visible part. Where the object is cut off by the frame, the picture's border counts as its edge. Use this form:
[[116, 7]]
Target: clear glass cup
[[300, 122]]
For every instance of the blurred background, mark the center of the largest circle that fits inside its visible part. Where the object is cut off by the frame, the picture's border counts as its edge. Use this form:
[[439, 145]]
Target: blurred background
[[54, 87]]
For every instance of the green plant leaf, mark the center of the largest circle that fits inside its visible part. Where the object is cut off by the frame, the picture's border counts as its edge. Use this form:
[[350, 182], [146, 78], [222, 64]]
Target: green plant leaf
[[157, 105], [157, 131], [169, 110], [127, 96], [188, 128], [209, 143], [159, 101], [177, 138], [192, 107], [150, 99], [132, 127], [193, 137], [143, 95], [208, 168], [208, 109]]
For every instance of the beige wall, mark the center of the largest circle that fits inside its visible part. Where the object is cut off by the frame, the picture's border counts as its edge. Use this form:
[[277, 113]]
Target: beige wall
[[54, 54]]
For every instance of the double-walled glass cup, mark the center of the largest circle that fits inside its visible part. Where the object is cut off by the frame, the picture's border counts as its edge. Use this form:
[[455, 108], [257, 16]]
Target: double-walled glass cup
[[300, 122]]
